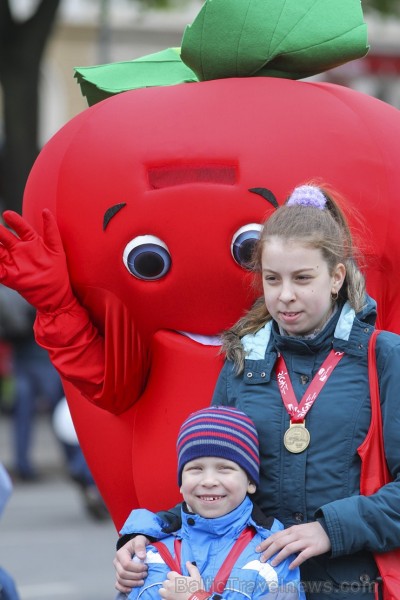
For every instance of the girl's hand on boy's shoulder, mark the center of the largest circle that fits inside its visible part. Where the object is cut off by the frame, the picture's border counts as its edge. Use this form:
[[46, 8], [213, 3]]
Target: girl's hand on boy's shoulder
[[131, 571], [180, 587], [309, 539]]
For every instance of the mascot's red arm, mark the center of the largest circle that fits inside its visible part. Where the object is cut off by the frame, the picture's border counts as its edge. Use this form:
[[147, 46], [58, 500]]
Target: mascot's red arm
[[97, 366], [89, 366], [36, 266]]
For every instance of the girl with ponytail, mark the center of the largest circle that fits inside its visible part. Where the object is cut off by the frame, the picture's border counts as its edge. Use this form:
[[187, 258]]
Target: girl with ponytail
[[296, 363]]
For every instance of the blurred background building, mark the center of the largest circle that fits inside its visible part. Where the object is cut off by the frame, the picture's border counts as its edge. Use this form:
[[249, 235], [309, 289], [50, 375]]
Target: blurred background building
[[41, 41], [89, 32]]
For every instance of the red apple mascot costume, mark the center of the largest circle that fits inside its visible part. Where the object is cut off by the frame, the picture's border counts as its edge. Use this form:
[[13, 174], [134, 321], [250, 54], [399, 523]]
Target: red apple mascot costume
[[139, 216]]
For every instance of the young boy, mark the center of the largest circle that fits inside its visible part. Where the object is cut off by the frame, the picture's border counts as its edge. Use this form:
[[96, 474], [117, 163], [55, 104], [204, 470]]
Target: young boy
[[213, 553]]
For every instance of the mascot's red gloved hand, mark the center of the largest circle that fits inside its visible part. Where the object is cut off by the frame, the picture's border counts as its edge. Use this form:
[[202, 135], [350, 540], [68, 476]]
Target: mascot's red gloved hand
[[35, 267]]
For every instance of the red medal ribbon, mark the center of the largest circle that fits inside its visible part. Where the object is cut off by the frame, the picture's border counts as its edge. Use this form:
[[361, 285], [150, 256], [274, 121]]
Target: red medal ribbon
[[298, 411]]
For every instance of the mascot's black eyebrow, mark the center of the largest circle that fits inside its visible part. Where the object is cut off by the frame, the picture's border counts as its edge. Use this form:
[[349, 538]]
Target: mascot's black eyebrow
[[111, 212], [267, 195]]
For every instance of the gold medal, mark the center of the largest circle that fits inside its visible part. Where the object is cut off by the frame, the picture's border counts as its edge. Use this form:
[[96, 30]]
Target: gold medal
[[296, 438]]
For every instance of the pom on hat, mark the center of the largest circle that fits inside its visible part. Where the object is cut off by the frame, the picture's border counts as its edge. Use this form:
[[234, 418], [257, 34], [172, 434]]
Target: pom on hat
[[219, 431], [307, 195]]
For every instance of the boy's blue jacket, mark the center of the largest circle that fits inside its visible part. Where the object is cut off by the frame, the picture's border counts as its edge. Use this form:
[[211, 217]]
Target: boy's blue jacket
[[208, 542]]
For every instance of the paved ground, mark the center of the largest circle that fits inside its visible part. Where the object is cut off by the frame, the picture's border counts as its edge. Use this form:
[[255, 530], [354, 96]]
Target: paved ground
[[53, 549]]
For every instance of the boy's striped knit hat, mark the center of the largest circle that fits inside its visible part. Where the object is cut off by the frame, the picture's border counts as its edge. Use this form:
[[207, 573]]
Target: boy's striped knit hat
[[223, 432]]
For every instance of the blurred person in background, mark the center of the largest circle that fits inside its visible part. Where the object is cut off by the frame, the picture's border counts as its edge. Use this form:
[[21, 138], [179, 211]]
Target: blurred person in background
[[36, 381], [34, 378], [77, 466]]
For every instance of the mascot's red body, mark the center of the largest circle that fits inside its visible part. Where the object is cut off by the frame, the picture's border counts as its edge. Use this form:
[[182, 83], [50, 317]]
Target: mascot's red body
[[178, 163]]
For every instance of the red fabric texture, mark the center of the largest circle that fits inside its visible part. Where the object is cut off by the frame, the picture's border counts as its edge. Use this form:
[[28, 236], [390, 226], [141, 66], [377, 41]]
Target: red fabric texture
[[109, 370], [375, 474]]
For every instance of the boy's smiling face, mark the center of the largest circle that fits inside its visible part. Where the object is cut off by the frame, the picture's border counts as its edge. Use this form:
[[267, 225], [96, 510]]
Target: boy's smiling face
[[213, 486]]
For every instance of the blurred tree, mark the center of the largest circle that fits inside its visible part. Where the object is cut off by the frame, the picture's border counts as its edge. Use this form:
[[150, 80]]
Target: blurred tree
[[385, 7], [21, 49], [161, 3]]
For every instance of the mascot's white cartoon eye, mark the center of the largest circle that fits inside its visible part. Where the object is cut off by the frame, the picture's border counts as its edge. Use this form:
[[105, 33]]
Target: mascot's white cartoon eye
[[147, 257], [243, 243]]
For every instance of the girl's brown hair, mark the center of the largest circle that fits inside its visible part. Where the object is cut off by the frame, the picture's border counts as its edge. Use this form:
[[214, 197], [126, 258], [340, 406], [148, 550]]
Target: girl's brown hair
[[325, 229]]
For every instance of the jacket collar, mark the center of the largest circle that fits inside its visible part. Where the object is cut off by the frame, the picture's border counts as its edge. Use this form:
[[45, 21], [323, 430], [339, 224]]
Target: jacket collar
[[230, 524], [346, 331]]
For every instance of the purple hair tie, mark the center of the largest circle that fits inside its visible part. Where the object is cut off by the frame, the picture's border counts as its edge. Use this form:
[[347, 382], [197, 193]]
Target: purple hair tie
[[307, 195]]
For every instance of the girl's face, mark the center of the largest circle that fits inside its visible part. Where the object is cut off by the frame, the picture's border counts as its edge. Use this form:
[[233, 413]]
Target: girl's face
[[297, 285]]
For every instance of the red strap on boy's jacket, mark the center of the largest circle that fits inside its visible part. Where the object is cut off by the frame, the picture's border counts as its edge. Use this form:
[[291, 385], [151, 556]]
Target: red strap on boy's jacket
[[174, 562], [375, 474], [222, 576]]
